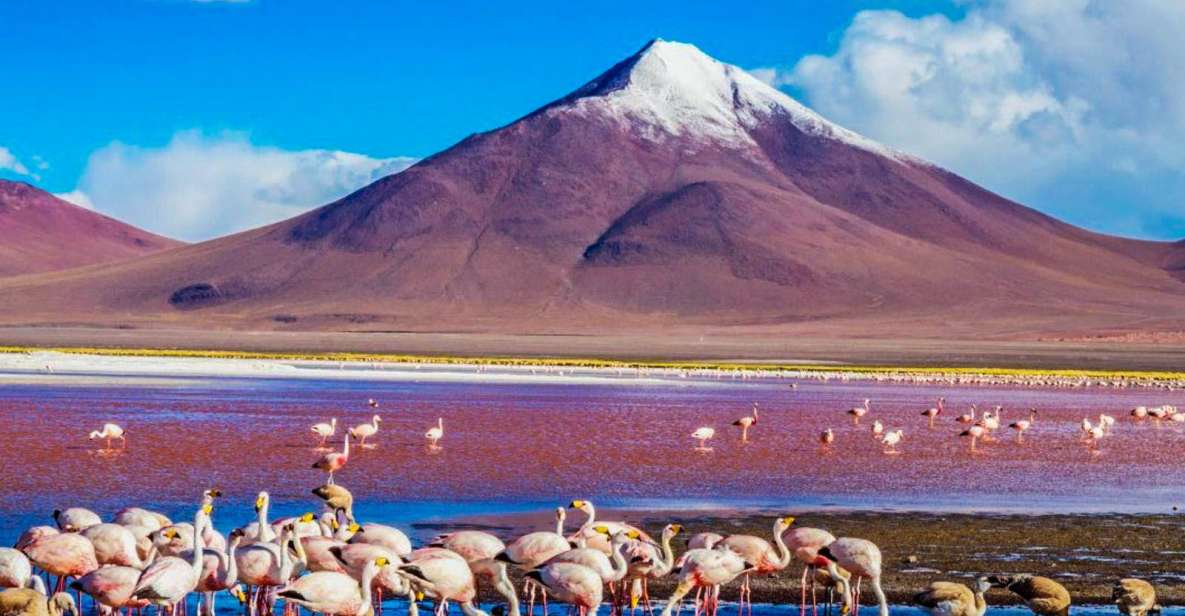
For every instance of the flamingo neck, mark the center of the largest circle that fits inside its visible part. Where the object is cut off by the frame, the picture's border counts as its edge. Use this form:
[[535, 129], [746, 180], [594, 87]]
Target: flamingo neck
[[368, 573], [668, 555], [618, 560], [784, 553], [592, 518], [346, 446], [265, 530], [232, 566], [199, 523], [980, 604]]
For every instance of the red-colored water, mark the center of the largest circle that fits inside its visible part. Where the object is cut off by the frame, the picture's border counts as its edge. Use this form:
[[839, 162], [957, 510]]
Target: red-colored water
[[509, 445]]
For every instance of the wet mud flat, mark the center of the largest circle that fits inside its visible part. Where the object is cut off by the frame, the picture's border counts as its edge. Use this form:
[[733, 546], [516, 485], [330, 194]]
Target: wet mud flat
[[1085, 552]]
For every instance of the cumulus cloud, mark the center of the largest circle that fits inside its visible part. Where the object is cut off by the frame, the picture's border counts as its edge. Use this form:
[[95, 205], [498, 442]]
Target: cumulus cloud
[[1073, 106], [198, 186], [9, 162]]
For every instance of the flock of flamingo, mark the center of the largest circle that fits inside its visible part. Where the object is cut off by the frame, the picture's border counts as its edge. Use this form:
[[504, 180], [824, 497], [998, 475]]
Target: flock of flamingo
[[331, 564], [980, 427]]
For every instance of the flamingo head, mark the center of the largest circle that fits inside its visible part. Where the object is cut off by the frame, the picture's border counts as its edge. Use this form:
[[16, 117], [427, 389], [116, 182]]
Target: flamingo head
[[670, 530], [581, 505], [261, 501], [982, 584], [307, 517], [783, 523], [237, 593], [560, 514]]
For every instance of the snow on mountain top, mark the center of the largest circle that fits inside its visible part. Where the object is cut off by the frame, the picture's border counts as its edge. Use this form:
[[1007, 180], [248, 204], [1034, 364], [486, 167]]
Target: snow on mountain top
[[676, 89]]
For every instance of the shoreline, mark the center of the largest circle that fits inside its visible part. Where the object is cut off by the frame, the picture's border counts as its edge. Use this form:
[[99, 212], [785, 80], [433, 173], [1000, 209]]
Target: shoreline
[[196, 363]]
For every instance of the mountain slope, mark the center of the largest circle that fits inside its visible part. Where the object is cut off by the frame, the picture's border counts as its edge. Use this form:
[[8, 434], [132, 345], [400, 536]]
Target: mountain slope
[[43, 233], [672, 191]]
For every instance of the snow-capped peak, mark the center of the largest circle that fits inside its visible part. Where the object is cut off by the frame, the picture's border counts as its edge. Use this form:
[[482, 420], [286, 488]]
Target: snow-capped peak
[[676, 89]]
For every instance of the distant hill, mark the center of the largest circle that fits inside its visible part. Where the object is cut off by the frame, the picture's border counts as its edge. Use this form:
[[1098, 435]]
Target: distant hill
[[40, 233]]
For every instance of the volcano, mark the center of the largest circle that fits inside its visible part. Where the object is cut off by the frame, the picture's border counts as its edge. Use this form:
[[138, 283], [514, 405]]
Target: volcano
[[40, 233], [673, 191]]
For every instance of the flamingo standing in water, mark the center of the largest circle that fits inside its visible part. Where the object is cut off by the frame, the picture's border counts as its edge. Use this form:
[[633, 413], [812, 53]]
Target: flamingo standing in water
[[334, 460], [1140, 412], [435, 433], [1023, 425], [934, 411], [859, 411], [878, 430], [805, 544], [891, 439], [325, 430], [967, 418], [861, 559], [826, 438], [763, 556], [707, 570], [703, 435], [362, 431], [975, 432], [745, 423], [110, 431], [64, 555]]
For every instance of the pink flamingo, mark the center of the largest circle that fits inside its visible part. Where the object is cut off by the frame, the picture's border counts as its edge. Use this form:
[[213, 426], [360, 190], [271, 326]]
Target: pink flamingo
[[805, 543], [745, 423], [975, 432], [859, 411], [934, 411], [334, 460], [861, 559]]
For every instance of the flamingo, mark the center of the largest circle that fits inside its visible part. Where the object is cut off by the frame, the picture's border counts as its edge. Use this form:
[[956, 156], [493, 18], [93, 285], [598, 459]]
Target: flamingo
[[168, 580], [362, 431], [435, 433], [878, 430], [745, 423], [75, 519], [32, 601], [967, 418], [109, 432], [650, 561], [859, 411], [934, 411], [334, 593], [827, 437], [891, 439], [334, 460], [479, 549], [762, 556], [64, 555], [15, 569], [443, 575], [336, 497], [533, 549], [588, 534], [861, 559], [612, 568], [705, 541], [266, 565], [707, 570], [112, 586], [1023, 425], [1106, 421], [805, 543], [954, 599], [991, 420], [385, 536], [976, 432], [220, 571], [114, 545], [571, 583], [1140, 412], [260, 530], [372, 403], [325, 430], [702, 435]]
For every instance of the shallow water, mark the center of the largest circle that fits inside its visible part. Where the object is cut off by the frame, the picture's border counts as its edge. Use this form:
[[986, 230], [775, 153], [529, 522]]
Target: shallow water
[[516, 446]]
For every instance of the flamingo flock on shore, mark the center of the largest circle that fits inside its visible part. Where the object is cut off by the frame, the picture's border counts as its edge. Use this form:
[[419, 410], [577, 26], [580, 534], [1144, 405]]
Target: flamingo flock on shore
[[332, 564]]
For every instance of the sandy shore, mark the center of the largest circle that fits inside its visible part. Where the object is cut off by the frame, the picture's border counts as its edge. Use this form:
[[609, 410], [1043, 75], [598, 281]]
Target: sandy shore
[[1086, 553], [683, 345]]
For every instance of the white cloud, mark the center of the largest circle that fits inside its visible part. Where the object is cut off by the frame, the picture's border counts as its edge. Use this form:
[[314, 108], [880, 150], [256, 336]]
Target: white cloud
[[77, 197], [197, 186], [9, 162], [1074, 106]]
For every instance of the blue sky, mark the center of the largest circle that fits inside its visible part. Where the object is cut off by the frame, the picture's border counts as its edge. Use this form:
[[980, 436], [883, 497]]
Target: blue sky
[[279, 105]]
